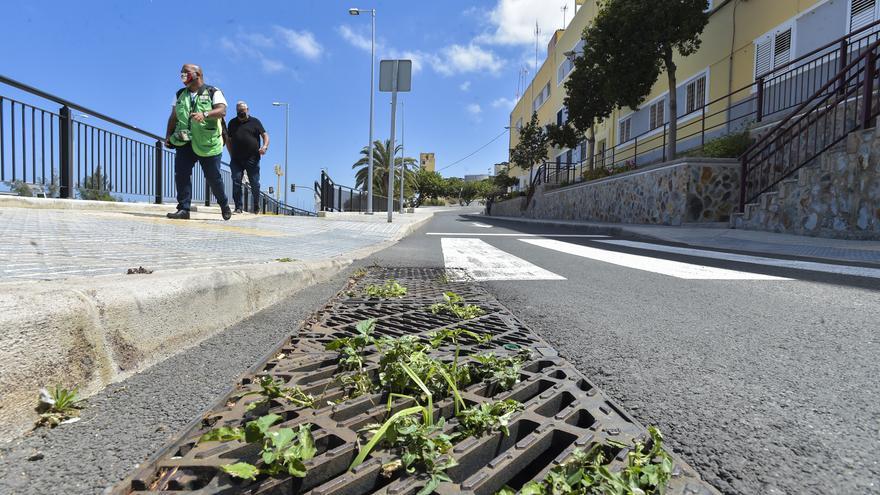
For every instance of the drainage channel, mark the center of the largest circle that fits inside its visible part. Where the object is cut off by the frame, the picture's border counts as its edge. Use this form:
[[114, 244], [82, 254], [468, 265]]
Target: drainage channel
[[561, 410]]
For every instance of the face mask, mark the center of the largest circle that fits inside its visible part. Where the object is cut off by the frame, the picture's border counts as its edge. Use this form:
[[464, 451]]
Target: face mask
[[242, 115]]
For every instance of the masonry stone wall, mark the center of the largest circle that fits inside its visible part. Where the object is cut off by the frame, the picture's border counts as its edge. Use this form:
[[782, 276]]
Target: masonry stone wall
[[838, 196], [689, 190]]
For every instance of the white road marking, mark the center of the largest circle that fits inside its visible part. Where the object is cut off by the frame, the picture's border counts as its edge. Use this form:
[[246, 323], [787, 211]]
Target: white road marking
[[483, 261], [664, 267], [477, 234], [857, 271], [481, 225]]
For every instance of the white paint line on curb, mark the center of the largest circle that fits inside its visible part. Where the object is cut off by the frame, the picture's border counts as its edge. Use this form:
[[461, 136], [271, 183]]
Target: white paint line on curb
[[477, 234], [857, 271], [485, 262], [664, 267]]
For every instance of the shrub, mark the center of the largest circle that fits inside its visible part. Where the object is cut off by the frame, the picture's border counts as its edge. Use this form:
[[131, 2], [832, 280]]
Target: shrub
[[96, 187], [729, 146], [602, 172]]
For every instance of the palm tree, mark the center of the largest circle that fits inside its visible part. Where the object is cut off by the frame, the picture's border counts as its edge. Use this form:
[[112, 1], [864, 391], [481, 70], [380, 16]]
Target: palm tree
[[381, 159]]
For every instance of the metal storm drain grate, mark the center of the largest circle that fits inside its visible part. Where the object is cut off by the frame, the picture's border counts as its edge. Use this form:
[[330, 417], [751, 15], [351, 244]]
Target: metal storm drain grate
[[561, 411]]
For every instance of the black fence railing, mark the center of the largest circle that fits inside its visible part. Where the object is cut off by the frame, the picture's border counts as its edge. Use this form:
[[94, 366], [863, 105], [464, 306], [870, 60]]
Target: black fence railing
[[335, 197], [846, 103], [75, 151], [268, 204], [772, 97]]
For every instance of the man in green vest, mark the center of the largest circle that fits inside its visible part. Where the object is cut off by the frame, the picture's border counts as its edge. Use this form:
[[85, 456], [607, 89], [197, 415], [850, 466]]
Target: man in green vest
[[195, 130]]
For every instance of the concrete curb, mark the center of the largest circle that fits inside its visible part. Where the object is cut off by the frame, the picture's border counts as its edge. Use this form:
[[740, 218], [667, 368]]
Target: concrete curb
[[90, 332], [82, 204]]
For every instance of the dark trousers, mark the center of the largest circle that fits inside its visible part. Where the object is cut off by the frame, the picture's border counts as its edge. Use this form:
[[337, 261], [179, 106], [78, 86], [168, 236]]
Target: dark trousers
[[252, 167], [184, 161]]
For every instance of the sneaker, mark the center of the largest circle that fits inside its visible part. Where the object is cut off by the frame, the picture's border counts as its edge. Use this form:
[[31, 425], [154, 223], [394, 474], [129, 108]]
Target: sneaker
[[237, 211], [179, 215], [225, 211]]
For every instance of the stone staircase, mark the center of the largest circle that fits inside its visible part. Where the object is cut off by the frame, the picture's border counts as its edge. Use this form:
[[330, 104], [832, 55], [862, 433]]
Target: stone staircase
[[837, 195]]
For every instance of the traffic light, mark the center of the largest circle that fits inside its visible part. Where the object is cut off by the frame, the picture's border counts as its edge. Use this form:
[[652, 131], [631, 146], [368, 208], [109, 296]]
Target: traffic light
[[293, 188], [271, 190]]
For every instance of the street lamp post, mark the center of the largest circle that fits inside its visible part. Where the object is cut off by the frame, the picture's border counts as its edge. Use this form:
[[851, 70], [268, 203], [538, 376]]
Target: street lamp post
[[402, 151], [286, 136], [355, 11]]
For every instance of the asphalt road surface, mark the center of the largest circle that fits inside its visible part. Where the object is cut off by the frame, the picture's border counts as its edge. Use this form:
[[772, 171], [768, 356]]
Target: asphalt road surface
[[761, 371]]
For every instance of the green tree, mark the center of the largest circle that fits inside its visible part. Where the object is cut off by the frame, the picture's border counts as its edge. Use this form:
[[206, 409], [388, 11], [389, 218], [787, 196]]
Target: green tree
[[96, 187], [428, 185], [532, 145], [469, 192], [632, 41], [589, 100], [381, 159], [453, 187]]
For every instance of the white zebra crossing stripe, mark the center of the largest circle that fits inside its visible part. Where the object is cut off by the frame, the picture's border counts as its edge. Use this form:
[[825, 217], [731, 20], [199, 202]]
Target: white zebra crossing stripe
[[857, 271], [479, 234], [665, 267], [482, 261]]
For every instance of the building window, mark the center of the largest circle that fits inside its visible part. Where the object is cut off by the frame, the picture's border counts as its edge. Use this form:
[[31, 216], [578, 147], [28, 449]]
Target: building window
[[562, 116], [567, 64], [542, 97], [695, 94], [862, 13], [625, 130], [519, 124], [657, 119], [773, 50]]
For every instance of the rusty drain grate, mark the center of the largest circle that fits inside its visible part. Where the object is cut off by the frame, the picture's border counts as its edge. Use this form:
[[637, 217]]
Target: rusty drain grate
[[563, 410]]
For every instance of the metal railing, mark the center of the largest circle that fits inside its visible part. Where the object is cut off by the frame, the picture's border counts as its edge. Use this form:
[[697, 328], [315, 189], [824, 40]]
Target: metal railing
[[846, 103], [772, 97], [269, 205], [60, 152], [335, 197]]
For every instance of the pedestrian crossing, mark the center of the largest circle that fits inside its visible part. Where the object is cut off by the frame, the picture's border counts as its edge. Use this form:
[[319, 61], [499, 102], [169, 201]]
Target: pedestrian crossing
[[484, 262]]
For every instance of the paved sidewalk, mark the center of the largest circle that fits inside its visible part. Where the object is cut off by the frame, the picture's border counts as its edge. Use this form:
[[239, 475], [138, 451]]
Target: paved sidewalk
[[47, 244], [719, 237]]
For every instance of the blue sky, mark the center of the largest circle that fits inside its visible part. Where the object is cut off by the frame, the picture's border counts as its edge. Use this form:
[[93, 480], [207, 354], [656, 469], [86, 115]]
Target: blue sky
[[123, 58]]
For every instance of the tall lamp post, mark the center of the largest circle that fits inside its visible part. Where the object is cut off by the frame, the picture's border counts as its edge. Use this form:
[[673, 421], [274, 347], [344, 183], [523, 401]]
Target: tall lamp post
[[372, 12], [402, 152], [286, 137]]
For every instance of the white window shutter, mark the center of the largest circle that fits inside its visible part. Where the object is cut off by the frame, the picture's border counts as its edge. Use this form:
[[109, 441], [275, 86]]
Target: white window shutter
[[763, 56], [862, 13], [782, 48]]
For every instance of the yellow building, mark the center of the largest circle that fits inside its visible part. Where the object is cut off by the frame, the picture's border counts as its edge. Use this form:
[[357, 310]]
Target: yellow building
[[743, 39], [426, 160]]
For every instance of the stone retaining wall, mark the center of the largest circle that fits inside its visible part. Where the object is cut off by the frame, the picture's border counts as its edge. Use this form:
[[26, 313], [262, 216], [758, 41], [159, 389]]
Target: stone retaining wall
[[687, 190], [837, 196]]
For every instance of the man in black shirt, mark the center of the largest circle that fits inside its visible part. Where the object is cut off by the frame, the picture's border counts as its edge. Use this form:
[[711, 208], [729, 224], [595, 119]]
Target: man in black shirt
[[244, 147]]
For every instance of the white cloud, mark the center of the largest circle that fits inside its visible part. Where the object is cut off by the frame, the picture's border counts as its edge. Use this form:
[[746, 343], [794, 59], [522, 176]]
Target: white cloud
[[271, 66], [301, 42], [474, 109], [506, 103], [458, 59], [357, 40], [512, 22], [448, 61], [465, 86]]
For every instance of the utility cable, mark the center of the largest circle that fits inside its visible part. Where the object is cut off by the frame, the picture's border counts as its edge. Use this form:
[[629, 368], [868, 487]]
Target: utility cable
[[481, 148]]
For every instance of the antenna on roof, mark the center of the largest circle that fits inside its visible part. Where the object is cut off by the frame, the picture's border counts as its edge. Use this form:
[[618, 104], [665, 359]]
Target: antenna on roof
[[564, 10]]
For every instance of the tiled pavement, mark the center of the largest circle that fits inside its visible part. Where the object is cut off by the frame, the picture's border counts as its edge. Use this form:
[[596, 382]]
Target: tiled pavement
[[40, 244]]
